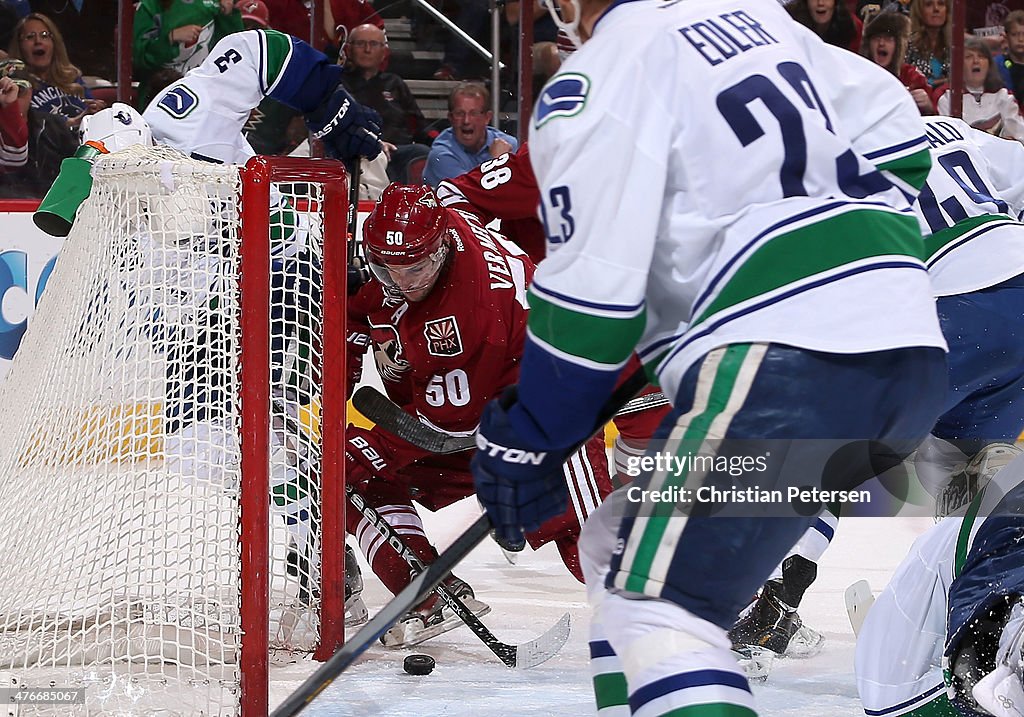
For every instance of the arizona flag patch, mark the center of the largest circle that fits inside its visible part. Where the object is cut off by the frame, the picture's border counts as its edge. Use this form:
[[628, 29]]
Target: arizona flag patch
[[443, 338], [564, 96]]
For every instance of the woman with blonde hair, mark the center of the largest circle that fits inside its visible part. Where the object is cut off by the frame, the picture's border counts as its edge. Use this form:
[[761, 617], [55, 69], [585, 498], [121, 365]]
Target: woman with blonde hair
[[930, 39], [58, 86]]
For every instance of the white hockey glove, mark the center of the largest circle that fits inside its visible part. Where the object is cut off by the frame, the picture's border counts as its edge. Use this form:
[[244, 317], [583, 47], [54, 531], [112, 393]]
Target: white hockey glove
[[1000, 691]]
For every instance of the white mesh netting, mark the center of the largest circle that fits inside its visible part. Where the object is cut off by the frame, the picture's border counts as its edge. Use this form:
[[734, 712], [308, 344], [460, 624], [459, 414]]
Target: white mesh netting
[[119, 456]]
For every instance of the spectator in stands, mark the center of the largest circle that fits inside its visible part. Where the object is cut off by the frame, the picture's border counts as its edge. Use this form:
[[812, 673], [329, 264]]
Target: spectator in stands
[[50, 141], [885, 43], [867, 9], [987, 105], [288, 16], [58, 87], [13, 127], [403, 124], [930, 40], [470, 140], [343, 16], [830, 19], [1011, 63], [272, 127], [546, 59], [8, 21], [179, 34]]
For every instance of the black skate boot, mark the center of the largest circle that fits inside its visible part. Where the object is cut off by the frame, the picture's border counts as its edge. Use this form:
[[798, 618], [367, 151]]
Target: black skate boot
[[432, 617], [772, 623]]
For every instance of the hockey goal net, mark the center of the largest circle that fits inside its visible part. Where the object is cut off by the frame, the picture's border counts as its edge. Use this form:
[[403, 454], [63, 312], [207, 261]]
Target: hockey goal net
[[172, 511]]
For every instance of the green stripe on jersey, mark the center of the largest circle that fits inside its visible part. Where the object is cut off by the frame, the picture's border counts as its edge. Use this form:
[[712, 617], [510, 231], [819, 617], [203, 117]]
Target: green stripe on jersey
[[934, 242], [939, 707], [610, 690], [712, 709], [601, 339], [912, 169], [963, 538], [279, 47], [825, 246], [718, 399]]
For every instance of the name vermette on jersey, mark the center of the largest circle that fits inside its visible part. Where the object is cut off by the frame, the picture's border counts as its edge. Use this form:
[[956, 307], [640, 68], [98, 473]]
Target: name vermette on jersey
[[725, 36]]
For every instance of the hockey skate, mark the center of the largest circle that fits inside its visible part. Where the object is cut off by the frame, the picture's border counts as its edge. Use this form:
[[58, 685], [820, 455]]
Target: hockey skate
[[432, 617], [770, 624], [355, 609]]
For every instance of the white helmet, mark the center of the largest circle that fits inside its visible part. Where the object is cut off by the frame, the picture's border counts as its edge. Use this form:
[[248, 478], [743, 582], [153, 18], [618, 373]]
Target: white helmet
[[117, 127]]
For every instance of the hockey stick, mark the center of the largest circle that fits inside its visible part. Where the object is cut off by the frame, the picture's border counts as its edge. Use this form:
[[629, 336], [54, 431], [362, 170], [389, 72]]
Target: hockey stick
[[528, 654], [423, 583], [353, 208], [382, 410]]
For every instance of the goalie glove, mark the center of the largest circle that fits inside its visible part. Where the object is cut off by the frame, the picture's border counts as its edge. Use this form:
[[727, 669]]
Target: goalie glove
[[347, 128], [1000, 691]]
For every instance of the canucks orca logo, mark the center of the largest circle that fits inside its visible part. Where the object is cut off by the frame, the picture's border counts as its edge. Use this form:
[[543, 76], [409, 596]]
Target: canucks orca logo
[[564, 97]]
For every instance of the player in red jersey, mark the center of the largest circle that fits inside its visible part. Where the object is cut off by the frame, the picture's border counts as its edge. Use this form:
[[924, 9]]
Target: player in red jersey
[[504, 188], [445, 315]]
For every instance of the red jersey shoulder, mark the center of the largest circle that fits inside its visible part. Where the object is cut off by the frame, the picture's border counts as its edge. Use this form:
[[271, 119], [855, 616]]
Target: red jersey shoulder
[[504, 187]]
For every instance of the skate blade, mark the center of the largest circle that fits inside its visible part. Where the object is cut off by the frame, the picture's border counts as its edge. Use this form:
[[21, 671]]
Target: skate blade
[[756, 662], [806, 642], [401, 635]]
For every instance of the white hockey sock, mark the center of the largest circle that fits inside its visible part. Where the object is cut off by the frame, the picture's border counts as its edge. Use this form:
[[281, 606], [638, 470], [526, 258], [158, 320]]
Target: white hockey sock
[[674, 660]]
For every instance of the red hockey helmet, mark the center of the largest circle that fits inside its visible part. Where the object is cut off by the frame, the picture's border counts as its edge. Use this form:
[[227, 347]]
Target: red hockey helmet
[[406, 239]]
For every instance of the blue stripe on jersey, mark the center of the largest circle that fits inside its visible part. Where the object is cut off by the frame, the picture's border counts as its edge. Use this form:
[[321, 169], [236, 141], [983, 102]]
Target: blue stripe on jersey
[[601, 648], [711, 326], [686, 680], [631, 309], [924, 697], [825, 529], [307, 79], [742, 253], [966, 238], [564, 398], [897, 148]]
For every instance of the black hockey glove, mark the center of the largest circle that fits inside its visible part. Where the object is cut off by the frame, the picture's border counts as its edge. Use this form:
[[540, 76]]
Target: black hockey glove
[[348, 129]]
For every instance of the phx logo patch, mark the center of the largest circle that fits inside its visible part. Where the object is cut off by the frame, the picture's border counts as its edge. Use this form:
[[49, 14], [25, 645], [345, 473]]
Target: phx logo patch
[[443, 338]]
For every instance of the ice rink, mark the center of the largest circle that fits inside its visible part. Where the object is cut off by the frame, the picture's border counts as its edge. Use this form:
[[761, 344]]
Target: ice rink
[[529, 597]]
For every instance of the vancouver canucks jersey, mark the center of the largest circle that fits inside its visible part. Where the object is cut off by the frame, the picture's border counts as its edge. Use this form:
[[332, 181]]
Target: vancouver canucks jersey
[[708, 175], [203, 113], [969, 207]]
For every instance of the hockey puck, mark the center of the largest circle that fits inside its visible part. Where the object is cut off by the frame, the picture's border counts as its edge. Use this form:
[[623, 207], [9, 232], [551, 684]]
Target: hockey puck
[[419, 664]]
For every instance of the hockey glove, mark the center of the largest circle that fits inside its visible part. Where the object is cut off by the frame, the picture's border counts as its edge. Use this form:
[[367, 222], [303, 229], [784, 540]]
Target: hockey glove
[[347, 128], [519, 488]]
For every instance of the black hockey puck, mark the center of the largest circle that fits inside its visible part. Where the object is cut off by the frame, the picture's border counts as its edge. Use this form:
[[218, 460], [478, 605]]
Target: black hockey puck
[[419, 664]]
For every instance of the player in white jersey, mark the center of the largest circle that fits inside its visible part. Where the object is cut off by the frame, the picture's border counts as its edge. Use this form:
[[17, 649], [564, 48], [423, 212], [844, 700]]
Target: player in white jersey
[[899, 658], [968, 211], [202, 115], [715, 201]]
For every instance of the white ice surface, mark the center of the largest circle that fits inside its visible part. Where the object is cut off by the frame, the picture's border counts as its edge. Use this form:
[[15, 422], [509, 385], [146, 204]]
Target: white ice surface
[[529, 597]]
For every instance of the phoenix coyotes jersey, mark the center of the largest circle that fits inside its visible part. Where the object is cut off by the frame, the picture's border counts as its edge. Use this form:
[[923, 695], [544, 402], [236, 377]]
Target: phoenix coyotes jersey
[[445, 357], [711, 172], [968, 209]]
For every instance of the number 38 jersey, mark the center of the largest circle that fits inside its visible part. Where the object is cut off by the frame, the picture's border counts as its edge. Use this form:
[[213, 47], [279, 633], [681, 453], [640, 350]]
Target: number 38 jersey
[[445, 357], [968, 208], [711, 173]]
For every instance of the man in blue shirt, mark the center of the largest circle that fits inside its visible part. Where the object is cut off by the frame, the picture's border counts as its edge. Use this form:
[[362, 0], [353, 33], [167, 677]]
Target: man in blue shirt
[[470, 140]]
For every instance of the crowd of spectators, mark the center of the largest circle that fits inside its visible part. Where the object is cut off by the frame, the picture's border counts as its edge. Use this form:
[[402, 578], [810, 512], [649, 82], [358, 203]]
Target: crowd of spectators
[[44, 95]]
